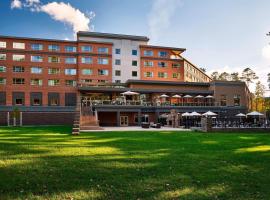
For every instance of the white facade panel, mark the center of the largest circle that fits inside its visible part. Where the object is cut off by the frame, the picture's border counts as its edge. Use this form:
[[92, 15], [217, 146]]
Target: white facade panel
[[125, 56]]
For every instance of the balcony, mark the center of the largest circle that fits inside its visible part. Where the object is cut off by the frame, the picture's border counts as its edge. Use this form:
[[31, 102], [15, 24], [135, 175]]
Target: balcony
[[141, 103]]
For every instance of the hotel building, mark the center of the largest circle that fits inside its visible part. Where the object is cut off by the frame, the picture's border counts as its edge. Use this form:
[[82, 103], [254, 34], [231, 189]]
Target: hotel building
[[55, 81]]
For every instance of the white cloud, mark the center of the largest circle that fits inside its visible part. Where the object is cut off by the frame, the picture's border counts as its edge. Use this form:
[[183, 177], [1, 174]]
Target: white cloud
[[266, 52], [16, 4], [159, 19], [66, 13], [62, 12]]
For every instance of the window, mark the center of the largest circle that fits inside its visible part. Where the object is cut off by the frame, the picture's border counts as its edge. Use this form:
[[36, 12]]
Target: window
[[53, 99], [103, 72], [3, 44], [18, 45], [53, 82], [117, 73], [70, 49], [148, 63], [148, 74], [162, 54], [87, 60], [87, 71], [70, 71], [54, 47], [37, 47], [70, 60], [223, 100], [103, 61], [3, 81], [102, 81], [18, 57], [3, 56], [162, 64], [18, 101], [36, 98], [36, 58], [36, 82], [148, 53], [86, 81], [71, 83], [36, 70], [176, 75], [236, 100], [53, 59], [162, 74], [117, 62], [134, 73], [134, 62], [54, 71], [117, 81], [18, 81], [176, 65], [18, 69], [103, 50], [117, 51], [86, 48], [3, 69], [134, 52]]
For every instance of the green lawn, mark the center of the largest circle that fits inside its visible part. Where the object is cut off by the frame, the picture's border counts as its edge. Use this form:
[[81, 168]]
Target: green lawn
[[49, 163]]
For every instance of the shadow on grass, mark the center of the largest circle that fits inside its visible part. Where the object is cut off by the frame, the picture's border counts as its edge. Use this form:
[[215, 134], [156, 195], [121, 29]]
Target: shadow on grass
[[47, 163]]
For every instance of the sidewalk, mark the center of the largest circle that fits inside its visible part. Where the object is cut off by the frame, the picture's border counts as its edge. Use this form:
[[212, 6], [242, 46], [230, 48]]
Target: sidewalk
[[135, 128]]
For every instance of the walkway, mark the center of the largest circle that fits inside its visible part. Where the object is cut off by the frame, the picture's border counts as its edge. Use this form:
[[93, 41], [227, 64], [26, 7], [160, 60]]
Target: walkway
[[135, 128]]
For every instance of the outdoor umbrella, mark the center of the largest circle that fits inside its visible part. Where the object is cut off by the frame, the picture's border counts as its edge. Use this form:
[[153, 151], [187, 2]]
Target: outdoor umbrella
[[240, 115], [209, 97], [164, 96], [195, 114], [209, 113], [129, 93], [254, 113], [199, 96], [186, 114], [177, 96], [187, 96]]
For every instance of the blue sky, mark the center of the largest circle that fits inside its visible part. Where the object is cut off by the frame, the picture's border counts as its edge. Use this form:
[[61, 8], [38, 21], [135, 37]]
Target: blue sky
[[218, 34]]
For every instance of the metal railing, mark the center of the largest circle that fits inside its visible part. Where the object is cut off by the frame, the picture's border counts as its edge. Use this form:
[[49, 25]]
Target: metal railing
[[145, 103]]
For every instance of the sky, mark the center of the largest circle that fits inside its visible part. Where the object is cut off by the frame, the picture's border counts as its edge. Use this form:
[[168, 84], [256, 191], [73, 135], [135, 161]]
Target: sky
[[219, 35]]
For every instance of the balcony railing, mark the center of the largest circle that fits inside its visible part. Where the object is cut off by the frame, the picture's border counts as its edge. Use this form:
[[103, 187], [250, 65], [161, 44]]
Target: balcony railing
[[144, 103]]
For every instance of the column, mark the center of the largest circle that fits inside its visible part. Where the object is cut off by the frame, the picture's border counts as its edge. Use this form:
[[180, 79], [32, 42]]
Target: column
[[118, 118], [139, 118]]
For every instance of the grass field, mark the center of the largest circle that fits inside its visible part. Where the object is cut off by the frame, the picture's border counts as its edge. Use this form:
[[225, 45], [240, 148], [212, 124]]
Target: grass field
[[49, 163]]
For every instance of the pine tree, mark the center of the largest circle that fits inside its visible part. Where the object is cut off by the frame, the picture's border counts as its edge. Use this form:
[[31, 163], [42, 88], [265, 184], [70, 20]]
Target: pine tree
[[248, 75]]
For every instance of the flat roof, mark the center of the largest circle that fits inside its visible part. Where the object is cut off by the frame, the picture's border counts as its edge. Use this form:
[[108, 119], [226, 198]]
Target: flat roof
[[112, 35], [152, 82], [163, 47], [37, 39]]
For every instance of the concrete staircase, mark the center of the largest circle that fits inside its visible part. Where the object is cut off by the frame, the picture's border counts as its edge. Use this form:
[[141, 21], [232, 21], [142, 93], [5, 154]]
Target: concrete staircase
[[89, 122], [85, 119], [76, 122]]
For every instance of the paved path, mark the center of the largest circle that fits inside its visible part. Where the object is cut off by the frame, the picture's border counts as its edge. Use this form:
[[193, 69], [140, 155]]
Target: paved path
[[136, 128]]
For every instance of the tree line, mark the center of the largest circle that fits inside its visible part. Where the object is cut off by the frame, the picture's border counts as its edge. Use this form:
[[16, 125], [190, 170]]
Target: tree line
[[259, 103]]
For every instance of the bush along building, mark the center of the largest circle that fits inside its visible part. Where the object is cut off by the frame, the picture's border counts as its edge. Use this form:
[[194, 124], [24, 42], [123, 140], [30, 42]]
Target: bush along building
[[104, 79]]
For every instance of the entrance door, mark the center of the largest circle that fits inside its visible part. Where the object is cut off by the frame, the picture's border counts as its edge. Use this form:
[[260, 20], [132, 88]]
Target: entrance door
[[123, 120]]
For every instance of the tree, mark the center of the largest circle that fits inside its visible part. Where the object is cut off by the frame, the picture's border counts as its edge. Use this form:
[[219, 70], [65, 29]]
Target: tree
[[203, 69], [248, 75], [215, 75], [224, 76], [235, 76], [259, 96]]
